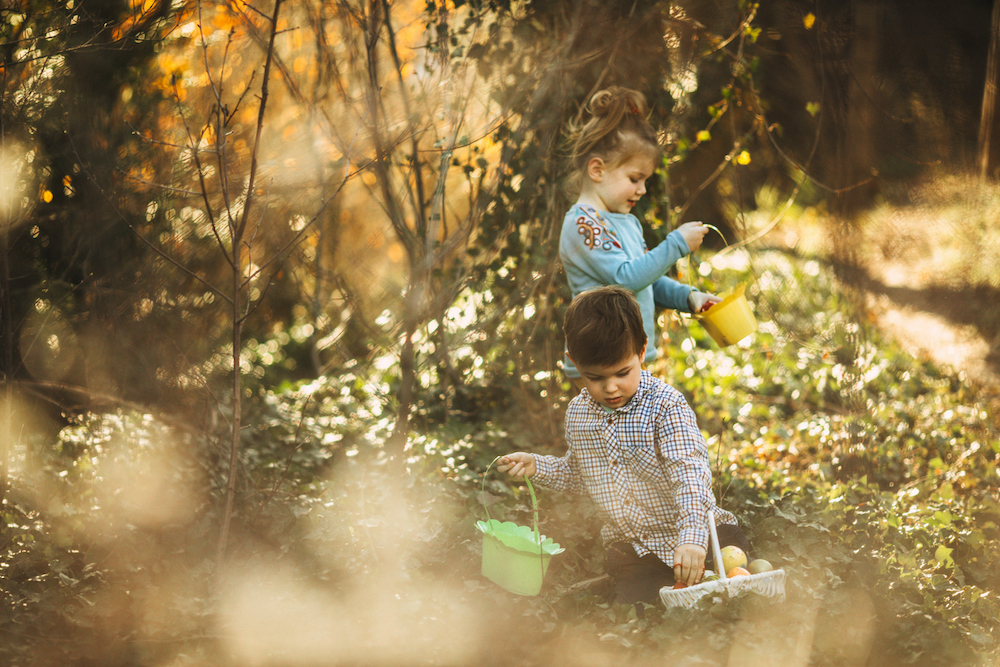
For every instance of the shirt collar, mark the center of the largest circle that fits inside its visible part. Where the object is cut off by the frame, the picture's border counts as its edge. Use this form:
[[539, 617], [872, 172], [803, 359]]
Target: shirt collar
[[645, 384], [601, 216]]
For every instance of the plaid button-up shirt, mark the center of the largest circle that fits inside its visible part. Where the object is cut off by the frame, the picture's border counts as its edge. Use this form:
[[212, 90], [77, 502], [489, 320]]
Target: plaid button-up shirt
[[645, 465]]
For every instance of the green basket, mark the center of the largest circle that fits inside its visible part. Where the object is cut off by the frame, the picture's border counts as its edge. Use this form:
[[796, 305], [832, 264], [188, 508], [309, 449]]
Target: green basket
[[515, 557]]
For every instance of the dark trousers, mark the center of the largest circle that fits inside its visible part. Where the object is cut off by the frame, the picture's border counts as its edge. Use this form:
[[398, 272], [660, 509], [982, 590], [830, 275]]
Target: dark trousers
[[639, 579]]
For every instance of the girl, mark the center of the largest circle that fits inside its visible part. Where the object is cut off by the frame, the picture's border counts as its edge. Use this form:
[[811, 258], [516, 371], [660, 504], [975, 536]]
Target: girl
[[601, 242]]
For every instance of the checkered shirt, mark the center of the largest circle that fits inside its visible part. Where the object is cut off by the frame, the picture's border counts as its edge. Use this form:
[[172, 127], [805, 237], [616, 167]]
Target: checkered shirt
[[645, 465]]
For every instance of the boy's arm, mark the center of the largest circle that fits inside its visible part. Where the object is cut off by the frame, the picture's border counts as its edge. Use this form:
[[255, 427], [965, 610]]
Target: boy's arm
[[689, 563], [685, 463], [518, 464], [560, 473], [550, 471]]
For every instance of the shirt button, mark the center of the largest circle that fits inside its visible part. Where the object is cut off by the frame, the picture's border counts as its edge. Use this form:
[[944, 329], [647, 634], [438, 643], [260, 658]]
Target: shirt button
[[611, 420]]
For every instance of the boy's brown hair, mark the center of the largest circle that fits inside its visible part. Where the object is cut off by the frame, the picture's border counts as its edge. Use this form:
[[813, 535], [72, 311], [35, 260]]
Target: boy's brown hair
[[603, 326]]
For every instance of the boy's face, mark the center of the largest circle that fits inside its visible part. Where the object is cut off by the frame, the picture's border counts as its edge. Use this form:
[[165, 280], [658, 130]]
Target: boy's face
[[613, 386]]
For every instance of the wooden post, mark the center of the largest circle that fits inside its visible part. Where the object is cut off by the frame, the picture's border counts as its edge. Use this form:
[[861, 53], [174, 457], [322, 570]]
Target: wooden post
[[989, 142]]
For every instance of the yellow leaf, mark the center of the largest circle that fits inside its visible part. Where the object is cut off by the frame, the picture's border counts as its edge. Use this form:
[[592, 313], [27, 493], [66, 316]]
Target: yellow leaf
[[808, 20], [223, 20], [395, 253], [743, 158], [704, 135], [47, 197]]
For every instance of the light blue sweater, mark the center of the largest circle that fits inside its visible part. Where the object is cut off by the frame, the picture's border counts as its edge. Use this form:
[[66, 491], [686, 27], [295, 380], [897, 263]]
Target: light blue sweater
[[601, 248]]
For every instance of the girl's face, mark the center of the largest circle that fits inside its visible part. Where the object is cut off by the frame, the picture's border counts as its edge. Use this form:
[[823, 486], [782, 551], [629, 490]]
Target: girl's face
[[617, 190]]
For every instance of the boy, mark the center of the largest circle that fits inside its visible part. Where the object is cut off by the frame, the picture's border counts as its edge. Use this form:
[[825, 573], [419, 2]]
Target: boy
[[636, 450]]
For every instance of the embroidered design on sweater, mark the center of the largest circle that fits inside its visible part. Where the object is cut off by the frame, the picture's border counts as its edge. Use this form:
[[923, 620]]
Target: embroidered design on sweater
[[595, 235]]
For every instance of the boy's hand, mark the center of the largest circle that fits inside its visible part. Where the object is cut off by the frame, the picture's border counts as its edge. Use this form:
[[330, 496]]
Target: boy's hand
[[693, 233], [700, 301], [518, 464], [689, 563]]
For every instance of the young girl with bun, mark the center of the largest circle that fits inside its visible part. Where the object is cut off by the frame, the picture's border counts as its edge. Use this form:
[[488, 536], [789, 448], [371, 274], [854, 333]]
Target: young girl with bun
[[613, 152]]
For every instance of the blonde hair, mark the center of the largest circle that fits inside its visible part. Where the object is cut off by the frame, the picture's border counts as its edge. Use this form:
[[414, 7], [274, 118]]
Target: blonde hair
[[618, 121]]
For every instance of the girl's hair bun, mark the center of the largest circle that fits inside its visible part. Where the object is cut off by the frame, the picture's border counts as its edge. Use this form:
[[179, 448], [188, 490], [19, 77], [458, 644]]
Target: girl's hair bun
[[617, 101], [618, 122], [600, 103]]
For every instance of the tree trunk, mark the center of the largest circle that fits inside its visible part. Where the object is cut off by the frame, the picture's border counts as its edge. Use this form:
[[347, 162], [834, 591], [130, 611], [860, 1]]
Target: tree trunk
[[407, 384], [240, 286], [7, 334], [237, 406], [856, 152], [989, 141]]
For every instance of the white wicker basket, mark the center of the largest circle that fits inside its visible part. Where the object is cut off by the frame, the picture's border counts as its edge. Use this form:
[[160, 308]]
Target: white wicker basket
[[769, 584]]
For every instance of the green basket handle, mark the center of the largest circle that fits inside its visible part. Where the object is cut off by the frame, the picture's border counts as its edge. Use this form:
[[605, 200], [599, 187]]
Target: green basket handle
[[534, 502]]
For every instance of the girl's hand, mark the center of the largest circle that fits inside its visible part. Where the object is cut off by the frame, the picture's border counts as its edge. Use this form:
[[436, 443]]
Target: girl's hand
[[693, 233], [699, 302], [689, 563], [518, 464]]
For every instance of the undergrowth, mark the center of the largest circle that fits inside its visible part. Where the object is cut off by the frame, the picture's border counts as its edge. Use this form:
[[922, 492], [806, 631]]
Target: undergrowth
[[869, 476]]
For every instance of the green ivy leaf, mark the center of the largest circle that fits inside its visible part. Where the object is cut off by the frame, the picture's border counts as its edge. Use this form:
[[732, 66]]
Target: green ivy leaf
[[943, 555], [944, 518]]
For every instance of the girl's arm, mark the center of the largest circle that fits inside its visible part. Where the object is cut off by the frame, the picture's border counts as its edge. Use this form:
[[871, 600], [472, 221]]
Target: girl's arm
[[669, 293], [608, 264]]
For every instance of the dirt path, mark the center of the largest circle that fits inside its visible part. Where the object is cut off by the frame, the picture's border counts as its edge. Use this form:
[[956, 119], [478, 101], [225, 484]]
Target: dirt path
[[925, 333], [913, 263], [911, 275], [955, 325]]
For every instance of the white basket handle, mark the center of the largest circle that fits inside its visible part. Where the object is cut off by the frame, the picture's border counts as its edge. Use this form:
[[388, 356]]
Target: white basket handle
[[714, 539]]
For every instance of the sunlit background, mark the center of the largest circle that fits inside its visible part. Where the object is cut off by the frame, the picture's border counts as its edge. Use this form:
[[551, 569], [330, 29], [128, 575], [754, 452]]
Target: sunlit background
[[279, 282]]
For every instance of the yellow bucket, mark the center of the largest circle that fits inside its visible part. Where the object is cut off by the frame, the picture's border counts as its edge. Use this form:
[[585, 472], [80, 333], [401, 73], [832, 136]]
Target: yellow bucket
[[731, 320]]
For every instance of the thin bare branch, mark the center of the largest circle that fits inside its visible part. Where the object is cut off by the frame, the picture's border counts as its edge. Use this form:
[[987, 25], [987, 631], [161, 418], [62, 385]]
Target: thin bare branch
[[209, 210]]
